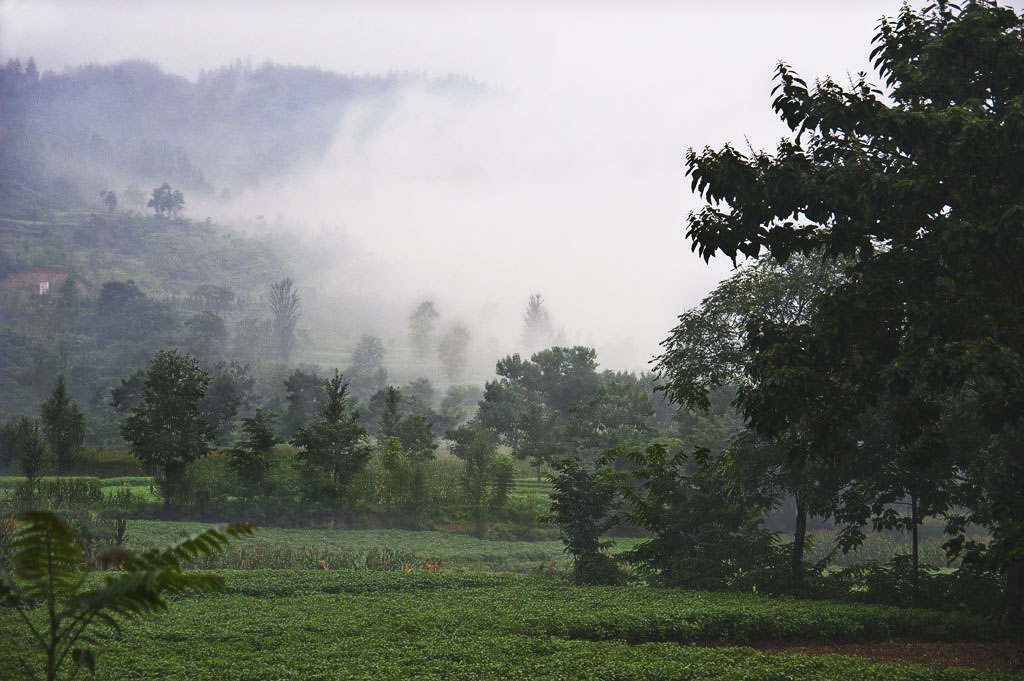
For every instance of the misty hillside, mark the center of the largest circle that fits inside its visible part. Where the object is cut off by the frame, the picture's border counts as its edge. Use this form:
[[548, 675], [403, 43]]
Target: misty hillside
[[65, 137], [108, 176]]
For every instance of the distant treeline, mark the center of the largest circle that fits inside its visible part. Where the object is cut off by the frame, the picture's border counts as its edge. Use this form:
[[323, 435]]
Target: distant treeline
[[62, 133]]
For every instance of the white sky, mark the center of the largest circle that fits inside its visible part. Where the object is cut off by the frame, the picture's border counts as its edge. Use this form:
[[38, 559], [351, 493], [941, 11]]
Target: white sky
[[569, 182]]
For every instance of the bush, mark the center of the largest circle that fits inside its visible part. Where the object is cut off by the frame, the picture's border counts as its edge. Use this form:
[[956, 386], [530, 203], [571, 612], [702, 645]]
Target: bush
[[583, 506], [965, 589], [705, 531]]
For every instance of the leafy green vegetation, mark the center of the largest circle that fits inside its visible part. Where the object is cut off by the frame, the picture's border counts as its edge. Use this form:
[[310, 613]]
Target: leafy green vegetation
[[911, 366], [866, 377], [401, 626], [57, 611], [303, 548]]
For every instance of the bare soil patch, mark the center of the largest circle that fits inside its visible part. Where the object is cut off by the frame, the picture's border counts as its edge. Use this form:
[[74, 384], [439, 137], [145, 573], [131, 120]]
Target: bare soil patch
[[997, 656], [30, 278]]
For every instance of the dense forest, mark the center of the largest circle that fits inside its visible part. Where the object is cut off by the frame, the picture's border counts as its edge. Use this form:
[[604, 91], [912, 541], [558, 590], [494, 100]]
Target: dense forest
[[854, 382]]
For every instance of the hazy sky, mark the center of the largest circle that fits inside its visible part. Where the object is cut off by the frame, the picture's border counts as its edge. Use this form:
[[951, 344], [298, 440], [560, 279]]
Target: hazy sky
[[568, 181]]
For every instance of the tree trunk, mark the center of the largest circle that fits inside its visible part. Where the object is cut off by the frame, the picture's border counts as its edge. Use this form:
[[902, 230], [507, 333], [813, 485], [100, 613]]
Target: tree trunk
[[914, 558], [799, 538], [1013, 594]]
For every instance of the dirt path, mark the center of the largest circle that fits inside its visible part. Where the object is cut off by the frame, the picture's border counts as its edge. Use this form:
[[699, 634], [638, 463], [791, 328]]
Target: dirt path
[[997, 656]]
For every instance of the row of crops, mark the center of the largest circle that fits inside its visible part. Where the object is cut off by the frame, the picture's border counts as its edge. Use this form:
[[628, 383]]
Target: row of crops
[[391, 625]]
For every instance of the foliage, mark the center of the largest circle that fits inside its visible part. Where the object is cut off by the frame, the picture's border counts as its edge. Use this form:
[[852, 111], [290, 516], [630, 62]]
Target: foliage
[[109, 199], [46, 568], [584, 505], [452, 350], [392, 412], [25, 445], [304, 393], [165, 430], [709, 349], [620, 412], [396, 625], [706, 529], [477, 447], [537, 331], [334, 447], [367, 374], [389, 417], [295, 548], [59, 494], [285, 311], [166, 202], [228, 392], [421, 328], [919, 186], [63, 426], [125, 396], [207, 336], [125, 313], [533, 400], [417, 436], [503, 471], [901, 583], [250, 458]]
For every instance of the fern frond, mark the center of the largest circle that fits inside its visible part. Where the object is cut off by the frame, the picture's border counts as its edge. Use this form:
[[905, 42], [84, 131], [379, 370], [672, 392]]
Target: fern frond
[[46, 558], [48, 567]]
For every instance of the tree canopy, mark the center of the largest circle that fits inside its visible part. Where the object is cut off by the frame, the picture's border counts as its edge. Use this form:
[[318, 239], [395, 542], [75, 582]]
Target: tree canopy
[[166, 202], [919, 185], [165, 429]]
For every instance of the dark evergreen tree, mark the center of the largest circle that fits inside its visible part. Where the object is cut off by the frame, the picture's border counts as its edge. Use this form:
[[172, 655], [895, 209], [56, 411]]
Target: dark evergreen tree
[[63, 426]]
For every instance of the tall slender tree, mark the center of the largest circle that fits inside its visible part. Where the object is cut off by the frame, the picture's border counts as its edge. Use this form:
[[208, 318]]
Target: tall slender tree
[[334, 448], [452, 350], [63, 426], [421, 328], [285, 311], [537, 332], [26, 446]]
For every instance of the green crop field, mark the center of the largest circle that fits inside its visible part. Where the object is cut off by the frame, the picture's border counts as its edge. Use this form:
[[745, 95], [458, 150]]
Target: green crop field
[[312, 625], [305, 548]]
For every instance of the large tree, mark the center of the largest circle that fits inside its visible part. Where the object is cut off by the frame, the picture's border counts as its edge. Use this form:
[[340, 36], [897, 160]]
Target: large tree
[[709, 349], [166, 430], [166, 202], [919, 184], [532, 401]]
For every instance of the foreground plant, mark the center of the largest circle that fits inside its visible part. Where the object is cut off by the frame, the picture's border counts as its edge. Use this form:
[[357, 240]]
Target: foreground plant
[[48, 573]]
